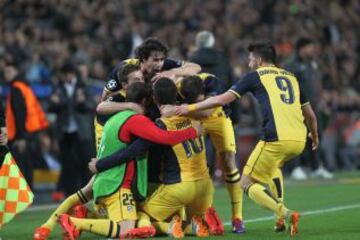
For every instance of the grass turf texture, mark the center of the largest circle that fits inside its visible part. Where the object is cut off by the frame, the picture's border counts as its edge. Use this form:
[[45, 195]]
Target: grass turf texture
[[306, 196]]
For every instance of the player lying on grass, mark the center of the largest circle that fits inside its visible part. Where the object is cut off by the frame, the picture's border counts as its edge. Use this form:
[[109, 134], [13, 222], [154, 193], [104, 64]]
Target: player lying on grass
[[136, 125], [186, 181], [285, 109]]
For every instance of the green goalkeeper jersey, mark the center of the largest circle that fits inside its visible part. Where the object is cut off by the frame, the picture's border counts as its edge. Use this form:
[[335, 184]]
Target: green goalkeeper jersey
[[109, 181]]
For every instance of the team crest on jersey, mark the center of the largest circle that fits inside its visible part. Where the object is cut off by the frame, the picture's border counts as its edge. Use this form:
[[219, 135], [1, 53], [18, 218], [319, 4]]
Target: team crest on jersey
[[111, 85], [129, 208]]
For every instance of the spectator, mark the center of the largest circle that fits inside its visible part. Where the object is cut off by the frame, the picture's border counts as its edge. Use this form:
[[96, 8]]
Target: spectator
[[350, 152], [24, 119], [74, 106], [210, 59], [213, 61], [306, 70], [3, 136], [37, 72], [48, 152]]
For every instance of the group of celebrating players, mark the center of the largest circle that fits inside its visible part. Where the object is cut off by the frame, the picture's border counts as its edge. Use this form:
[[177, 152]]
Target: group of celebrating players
[[150, 173]]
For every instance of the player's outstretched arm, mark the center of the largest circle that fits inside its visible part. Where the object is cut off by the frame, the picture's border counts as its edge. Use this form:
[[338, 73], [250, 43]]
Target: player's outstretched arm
[[211, 102], [143, 127], [311, 123], [106, 108], [188, 68], [139, 148]]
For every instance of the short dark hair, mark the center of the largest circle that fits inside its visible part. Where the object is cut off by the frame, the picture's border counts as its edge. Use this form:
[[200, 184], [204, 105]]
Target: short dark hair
[[165, 91], [190, 89], [303, 42], [125, 70], [68, 68], [148, 46], [137, 92], [265, 50]]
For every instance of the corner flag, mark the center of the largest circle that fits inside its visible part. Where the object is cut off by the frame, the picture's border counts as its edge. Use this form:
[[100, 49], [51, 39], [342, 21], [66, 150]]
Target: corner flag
[[15, 194]]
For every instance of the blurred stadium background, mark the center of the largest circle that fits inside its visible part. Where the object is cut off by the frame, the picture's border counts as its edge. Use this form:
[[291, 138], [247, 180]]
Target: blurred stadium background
[[96, 34]]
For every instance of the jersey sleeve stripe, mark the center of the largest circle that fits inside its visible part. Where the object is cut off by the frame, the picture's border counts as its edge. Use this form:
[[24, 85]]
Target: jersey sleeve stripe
[[234, 92]]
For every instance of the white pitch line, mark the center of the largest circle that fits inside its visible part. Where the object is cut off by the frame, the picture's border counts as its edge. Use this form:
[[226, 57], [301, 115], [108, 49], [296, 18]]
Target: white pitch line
[[260, 219], [306, 213]]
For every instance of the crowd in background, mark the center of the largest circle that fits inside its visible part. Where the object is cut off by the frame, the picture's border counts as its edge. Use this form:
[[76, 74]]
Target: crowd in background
[[95, 35]]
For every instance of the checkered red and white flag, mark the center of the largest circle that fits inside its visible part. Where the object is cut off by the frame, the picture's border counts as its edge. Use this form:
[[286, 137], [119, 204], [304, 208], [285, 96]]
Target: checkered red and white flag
[[15, 194]]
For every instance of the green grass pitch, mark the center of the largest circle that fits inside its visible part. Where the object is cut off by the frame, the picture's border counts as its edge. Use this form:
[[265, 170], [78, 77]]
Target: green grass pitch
[[331, 210]]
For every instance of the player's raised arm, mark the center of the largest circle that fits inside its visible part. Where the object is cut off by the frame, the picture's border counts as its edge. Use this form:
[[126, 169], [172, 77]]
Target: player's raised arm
[[108, 107], [311, 123]]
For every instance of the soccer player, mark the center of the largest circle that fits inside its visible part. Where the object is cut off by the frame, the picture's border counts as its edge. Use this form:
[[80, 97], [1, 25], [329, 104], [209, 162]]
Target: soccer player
[[152, 133], [151, 56], [220, 129], [284, 107], [218, 126], [126, 75]]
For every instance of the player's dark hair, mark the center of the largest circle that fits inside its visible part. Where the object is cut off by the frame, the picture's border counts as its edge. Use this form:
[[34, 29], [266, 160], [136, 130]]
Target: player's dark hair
[[137, 92], [264, 50], [148, 46], [190, 89], [124, 72], [303, 42], [165, 91]]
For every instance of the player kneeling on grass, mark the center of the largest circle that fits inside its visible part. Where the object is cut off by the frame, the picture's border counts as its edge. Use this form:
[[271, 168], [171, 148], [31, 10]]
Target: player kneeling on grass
[[219, 127], [136, 93], [186, 181], [73, 204]]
